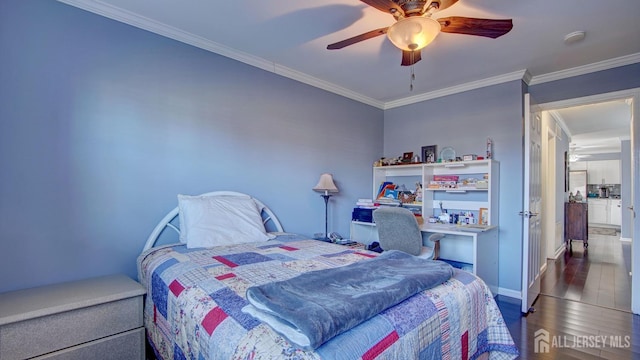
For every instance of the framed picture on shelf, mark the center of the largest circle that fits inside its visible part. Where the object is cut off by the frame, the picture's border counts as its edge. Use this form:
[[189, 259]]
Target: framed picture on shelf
[[391, 194], [406, 157], [483, 216], [430, 154]]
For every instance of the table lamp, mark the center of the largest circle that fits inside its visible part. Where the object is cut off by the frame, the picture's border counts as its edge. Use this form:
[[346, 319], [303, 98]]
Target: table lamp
[[326, 185]]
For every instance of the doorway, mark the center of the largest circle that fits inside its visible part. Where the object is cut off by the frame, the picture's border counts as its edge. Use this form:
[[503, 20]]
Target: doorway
[[555, 196]]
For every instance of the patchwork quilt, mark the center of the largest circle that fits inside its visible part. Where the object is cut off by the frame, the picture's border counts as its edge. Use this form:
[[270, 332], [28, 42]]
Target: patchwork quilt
[[193, 307]]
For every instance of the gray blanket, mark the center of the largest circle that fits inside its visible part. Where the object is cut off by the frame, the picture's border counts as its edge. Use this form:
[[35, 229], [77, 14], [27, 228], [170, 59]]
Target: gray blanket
[[316, 306]]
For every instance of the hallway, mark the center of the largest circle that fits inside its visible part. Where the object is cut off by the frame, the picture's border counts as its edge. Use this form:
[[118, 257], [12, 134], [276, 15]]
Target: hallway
[[597, 276], [583, 294]]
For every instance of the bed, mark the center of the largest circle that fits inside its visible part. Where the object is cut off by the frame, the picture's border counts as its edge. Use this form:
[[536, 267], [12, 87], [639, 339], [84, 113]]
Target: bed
[[196, 300]]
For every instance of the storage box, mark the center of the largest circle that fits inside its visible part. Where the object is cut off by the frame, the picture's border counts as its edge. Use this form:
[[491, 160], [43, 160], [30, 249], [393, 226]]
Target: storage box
[[364, 215], [453, 178], [482, 184]]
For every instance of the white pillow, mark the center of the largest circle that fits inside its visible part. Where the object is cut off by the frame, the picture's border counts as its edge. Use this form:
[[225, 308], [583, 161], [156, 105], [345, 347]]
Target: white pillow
[[207, 221]]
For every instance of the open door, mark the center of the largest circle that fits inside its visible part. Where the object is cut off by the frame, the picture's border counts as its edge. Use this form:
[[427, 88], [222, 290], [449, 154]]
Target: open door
[[635, 195], [531, 226]]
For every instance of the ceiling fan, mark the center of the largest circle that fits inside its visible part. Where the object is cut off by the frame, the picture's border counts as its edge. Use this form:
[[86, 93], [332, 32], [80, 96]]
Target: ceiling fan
[[414, 28]]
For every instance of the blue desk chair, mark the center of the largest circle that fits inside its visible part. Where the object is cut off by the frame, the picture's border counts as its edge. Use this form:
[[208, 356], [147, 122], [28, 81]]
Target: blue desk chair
[[398, 229]]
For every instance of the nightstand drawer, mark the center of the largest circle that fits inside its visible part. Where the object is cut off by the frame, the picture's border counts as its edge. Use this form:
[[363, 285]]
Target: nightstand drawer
[[128, 345], [45, 334], [45, 320]]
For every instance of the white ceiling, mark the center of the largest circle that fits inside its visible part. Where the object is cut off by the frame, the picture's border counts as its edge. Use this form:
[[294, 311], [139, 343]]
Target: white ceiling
[[596, 128], [290, 38]]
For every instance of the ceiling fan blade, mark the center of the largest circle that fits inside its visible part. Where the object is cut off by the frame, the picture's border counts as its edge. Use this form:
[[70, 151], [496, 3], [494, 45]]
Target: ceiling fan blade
[[410, 57], [357, 38], [472, 26], [386, 6]]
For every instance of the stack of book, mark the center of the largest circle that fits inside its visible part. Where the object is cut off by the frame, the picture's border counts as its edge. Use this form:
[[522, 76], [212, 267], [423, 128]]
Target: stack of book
[[366, 204], [363, 211], [443, 182], [387, 201], [388, 194]]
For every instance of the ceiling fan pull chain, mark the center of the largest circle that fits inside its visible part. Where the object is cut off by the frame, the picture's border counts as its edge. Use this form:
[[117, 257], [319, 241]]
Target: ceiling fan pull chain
[[413, 77]]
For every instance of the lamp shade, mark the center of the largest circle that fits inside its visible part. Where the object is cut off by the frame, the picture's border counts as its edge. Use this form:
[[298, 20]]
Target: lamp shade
[[413, 33], [325, 184]]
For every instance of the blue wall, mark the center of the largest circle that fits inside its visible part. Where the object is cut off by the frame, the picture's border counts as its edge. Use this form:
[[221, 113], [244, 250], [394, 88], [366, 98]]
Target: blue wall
[[600, 82], [102, 125]]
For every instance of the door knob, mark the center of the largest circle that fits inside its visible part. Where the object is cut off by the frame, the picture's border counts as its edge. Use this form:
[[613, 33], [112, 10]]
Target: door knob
[[527, 214], [632, 210]]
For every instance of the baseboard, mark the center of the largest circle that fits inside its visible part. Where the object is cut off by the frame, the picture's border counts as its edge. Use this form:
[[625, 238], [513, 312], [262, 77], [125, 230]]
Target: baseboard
[[543, 268], [559, 252], [623, 239], [510, 293]]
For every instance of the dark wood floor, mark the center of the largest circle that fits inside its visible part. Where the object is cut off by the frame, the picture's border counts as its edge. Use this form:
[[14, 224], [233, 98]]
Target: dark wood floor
[[598, 275], [583, 293]]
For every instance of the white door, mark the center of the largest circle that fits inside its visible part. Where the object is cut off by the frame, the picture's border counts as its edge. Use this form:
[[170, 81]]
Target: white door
[[531, 226], [635, 201]]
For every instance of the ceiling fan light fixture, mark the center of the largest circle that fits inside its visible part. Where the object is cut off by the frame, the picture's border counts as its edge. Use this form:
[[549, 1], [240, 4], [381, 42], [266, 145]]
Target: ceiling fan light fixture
[[413, 33]]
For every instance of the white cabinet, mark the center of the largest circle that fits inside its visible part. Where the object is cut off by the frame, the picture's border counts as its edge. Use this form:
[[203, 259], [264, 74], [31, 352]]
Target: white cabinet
[[578, 165], [605, 211], [603, 172], [598, 211], [615, 212], [612, 174]]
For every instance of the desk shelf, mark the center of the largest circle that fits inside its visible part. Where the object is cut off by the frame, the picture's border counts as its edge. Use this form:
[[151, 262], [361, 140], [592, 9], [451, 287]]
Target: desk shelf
[[479, 248], [453, 199]]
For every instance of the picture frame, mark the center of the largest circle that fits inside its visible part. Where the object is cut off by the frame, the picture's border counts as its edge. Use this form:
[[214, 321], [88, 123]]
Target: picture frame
[[430, 154], [566, 171], [483, 217], [391, 194], [406, 157]]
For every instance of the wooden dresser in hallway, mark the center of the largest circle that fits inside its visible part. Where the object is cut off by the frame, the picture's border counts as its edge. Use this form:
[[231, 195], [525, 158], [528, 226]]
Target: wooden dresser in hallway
[[576, 223]]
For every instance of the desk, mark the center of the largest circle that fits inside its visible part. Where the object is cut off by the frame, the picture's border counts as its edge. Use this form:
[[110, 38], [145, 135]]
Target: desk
[[476, 246]]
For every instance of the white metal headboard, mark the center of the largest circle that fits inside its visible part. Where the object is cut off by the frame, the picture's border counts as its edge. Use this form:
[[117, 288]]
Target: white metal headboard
[[267, 217]]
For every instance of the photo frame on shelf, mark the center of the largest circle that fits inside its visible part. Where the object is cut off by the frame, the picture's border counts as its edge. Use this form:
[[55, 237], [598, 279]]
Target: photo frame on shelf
[[391, 194], [430, 154], [483, 216], [406, 157]]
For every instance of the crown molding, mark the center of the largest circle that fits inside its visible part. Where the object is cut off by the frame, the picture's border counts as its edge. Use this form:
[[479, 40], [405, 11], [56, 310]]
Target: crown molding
[[560, 121], [516, 75], [586, 69], [325, 85], [133, 19], [121, 15]]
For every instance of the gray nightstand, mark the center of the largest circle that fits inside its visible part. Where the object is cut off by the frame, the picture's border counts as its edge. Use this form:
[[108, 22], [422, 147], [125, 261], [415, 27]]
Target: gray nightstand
[[98, 318]]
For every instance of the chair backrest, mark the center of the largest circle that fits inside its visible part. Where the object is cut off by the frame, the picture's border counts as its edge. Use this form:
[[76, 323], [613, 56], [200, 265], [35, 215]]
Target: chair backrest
[[398, 230]]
